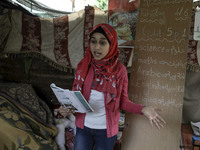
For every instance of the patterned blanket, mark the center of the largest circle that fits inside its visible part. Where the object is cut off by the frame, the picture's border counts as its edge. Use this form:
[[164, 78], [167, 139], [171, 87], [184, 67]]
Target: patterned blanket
[[21, 129], [60, 41]]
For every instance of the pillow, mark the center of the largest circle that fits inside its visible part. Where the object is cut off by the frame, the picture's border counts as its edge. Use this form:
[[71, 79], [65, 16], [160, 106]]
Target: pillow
[[25, 95]]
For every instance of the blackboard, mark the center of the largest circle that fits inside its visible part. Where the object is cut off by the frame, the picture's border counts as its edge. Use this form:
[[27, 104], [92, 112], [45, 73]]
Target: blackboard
[[158, 73]]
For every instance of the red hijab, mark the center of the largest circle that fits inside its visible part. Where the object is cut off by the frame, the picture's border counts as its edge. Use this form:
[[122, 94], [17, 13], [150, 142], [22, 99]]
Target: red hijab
[[105, 70]]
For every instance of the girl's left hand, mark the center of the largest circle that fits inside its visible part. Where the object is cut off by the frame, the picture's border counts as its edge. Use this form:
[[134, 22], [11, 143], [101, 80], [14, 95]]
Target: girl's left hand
[[65, 111], [154, 118]]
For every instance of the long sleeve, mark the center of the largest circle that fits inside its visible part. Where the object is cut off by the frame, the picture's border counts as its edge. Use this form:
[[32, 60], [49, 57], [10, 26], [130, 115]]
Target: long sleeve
[[125, 103]]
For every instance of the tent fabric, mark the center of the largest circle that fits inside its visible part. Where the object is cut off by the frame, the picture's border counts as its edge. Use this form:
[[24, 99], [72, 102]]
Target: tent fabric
[[191, 103], [12, 22], [193, 57], [33, 7], [59, 40]]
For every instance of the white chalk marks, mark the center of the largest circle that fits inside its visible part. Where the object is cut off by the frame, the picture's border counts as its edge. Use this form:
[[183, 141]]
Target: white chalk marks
[[161, 51]]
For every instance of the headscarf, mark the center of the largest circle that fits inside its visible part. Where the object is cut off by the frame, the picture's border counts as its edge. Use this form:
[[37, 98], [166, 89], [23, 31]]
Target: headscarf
[[105, 70]]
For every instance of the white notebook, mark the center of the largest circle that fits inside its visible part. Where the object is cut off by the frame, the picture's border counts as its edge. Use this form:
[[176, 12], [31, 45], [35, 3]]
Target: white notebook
[[71, 99]]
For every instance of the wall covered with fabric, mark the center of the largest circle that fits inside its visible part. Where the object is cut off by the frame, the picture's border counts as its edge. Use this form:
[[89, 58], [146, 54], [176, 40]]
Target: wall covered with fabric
[[59, 40]]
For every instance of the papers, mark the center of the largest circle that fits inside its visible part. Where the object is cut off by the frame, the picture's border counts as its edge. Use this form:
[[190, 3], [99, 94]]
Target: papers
[[71, 99]]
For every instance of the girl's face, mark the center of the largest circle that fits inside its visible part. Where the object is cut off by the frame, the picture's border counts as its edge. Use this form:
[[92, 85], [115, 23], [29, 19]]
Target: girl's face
[[99, 46]]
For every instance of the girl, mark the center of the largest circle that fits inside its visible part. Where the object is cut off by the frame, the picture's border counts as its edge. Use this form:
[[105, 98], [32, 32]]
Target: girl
[[103, 81]]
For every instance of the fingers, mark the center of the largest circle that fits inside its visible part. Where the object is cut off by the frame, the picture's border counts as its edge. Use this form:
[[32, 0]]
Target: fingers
[[151, 121], [65, 111], [154, 118], [157, 121], [160, 118]]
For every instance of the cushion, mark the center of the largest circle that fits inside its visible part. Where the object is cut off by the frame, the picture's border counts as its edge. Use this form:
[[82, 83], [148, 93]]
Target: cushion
[[25, 95]]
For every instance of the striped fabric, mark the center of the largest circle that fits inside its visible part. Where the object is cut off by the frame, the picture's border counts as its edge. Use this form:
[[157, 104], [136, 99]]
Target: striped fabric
[[59, 40]]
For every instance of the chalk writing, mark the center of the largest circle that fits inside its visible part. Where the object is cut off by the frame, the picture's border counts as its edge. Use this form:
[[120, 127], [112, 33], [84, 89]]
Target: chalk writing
[[149, 3], [155, 73], [173, 63], [153, 16], [181, 14], [161, 40], [159, 100], [169, 63], [161, 54], [155, 32], [170, 33], [162, 49], [148, 61], [158, 69], [156, 85], [162, 35]]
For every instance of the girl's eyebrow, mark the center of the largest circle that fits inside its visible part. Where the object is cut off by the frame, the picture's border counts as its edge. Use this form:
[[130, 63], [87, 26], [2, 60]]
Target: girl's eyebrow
[[103, 38]]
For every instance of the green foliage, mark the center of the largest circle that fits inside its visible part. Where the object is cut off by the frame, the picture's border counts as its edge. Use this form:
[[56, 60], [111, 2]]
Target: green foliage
[[103, 4]]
